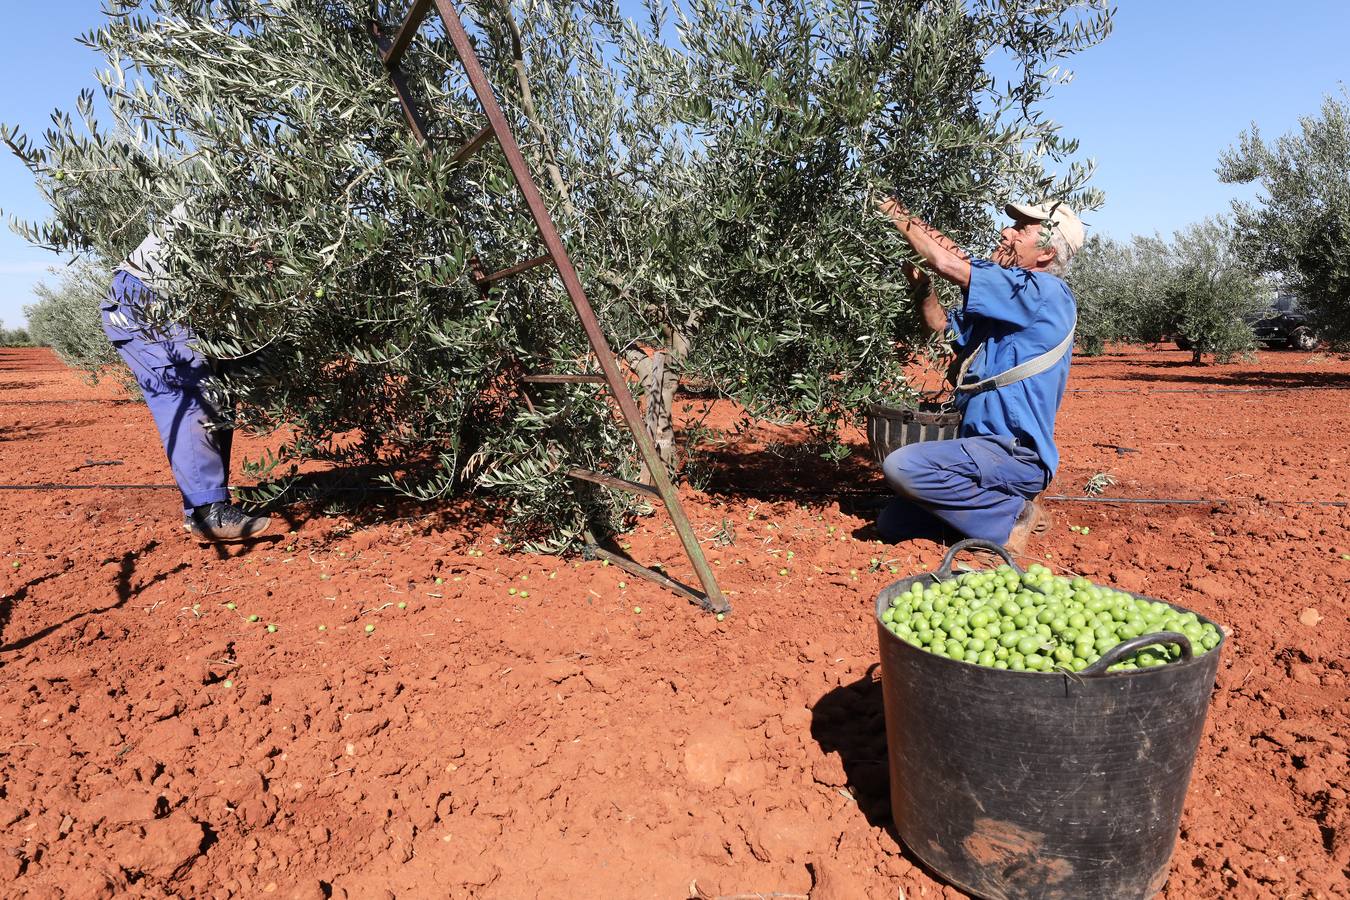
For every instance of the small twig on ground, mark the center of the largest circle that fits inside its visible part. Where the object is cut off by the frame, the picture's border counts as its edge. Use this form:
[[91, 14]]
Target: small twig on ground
[[376, 608], [340, 772], [569, 656], [216, 591]]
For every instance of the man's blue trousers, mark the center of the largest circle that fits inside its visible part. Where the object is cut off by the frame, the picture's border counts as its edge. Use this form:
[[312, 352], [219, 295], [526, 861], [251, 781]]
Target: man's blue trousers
[[975, 486], [170, 374]]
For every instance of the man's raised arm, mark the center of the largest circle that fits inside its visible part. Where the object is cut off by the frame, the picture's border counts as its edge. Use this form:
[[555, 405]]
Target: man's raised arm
[[931, 313], [941, 254]]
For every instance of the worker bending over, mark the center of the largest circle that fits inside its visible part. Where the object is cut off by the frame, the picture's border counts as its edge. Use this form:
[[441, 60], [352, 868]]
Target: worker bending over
[[171, 374]]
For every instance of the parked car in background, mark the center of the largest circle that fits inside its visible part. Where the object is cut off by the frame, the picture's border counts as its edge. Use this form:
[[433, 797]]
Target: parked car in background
[[1283, 325]]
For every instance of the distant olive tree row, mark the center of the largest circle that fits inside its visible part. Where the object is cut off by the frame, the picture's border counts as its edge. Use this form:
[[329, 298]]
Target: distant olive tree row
[[1194, 288], [15, 337], [1206, 285], [66, 317]]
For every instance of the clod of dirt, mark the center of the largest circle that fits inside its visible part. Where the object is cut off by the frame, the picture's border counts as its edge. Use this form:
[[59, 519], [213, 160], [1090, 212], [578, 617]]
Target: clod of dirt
[[124, 806], [163, 848], [1310, 617], [709, 756]]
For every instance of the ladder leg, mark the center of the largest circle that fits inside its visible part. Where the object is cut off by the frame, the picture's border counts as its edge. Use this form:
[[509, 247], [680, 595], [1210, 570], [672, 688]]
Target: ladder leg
[[391, 52], [459, 38]]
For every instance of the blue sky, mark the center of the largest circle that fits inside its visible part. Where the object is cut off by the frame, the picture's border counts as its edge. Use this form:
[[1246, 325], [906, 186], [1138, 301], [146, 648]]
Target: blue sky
[[1175, 83]]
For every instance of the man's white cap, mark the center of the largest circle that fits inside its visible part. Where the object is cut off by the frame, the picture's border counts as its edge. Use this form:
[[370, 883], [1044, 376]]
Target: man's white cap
[[1064, 220]]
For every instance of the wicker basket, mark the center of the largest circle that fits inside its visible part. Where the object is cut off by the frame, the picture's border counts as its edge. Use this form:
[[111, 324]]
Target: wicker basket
[[889, 428]]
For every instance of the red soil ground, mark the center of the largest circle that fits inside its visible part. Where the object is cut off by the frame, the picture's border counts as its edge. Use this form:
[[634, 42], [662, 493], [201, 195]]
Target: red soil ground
[[485, 743]]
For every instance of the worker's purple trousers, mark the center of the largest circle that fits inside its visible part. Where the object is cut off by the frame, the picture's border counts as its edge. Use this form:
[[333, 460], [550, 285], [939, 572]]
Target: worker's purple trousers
[[170, 374], [974, 486]]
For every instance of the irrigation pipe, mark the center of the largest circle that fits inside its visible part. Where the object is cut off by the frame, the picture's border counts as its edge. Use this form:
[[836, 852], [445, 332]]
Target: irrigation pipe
[[1192, 501], [1161, 501], [51, 486], [1256, 390]]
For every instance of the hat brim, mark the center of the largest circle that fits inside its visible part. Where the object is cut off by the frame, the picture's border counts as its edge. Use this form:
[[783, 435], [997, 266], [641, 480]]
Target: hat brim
[[1024, 211]]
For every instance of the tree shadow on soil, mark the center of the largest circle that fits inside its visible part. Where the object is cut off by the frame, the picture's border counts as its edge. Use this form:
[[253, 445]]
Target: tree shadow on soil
[[1292, 380], [1185, 372], [792, 472], [38, 431], [125, 592], [9, 601], [354, 494]]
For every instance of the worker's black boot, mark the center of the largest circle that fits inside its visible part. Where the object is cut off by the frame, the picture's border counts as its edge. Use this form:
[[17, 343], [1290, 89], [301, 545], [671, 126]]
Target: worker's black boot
[[224, 523]]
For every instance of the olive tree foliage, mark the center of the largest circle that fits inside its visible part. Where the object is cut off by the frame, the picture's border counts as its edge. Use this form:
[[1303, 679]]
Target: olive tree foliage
[[1195, 288], [66, 317], [802, 114], [1210, 294], [1299, 226], [1111, 287], [713, 170]]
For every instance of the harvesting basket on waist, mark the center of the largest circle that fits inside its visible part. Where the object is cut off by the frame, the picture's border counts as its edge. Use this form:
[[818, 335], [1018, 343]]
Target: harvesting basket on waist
[[891, 427]]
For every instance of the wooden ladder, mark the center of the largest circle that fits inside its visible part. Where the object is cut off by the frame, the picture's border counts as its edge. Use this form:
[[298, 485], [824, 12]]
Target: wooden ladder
[[391, 52]]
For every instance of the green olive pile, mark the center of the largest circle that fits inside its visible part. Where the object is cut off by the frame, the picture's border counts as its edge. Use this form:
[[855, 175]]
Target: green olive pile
[[1037, 622]]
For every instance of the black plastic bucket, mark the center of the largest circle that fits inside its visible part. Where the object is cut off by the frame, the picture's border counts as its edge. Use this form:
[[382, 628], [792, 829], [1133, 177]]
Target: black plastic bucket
[[891, 427], [1041, 785]]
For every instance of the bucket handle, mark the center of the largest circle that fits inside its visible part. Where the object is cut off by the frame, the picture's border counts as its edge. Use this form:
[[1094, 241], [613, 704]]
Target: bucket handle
[[944, 571], [1125, 648]]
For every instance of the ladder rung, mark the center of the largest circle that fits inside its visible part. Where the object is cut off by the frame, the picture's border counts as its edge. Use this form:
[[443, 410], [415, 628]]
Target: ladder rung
[[400, 83], [517, 269], [622, 484], [473, 146], [406, 33], [588, 378]]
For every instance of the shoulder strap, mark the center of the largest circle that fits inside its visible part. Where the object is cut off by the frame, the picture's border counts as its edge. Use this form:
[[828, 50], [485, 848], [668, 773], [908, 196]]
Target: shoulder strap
[[1017, 373]]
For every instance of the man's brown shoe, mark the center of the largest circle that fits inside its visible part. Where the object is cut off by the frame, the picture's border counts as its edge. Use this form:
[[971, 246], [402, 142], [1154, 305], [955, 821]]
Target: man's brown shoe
[[1033, 519]]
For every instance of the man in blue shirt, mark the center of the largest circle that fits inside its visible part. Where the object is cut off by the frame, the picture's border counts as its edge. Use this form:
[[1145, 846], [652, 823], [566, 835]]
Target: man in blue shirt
[[1014, 330]]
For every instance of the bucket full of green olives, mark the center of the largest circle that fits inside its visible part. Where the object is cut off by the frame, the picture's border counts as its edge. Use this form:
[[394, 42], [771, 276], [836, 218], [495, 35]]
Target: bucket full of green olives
[[1041, 728]]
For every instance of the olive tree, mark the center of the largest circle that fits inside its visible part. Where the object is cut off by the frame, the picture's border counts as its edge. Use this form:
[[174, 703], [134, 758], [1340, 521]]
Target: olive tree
[[1210, 294], [713, 169], [15, 337], [1112, 288], [66, 317], [1195, 288], [1299, 227]]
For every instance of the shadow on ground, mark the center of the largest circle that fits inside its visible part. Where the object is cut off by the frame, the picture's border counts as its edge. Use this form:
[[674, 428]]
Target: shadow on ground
[[362, 501], [125, 592], [1186, 373], [1289, 380], [791, 472], [851, 721], [40, 431]]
